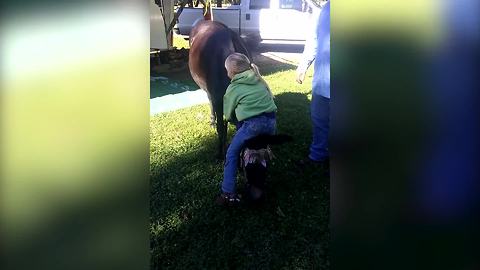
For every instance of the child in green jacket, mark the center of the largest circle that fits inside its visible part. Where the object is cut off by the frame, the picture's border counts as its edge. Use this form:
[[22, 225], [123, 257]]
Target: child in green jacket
[[248, 102]]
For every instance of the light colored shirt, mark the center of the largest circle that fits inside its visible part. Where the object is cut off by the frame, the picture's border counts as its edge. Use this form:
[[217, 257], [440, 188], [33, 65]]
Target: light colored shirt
[[317, 48]]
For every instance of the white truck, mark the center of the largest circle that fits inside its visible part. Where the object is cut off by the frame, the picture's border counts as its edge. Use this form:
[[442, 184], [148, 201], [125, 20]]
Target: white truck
[[268, 21]]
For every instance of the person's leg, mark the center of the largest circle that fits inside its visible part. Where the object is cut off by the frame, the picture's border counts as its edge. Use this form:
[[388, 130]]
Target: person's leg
[[320, 114], [231, 158], [249, 129]]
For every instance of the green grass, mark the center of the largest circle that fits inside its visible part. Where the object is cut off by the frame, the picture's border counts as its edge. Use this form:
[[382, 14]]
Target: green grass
[[188, 231]]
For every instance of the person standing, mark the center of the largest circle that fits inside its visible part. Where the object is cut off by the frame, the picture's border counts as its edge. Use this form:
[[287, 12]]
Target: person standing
[[317, 51]]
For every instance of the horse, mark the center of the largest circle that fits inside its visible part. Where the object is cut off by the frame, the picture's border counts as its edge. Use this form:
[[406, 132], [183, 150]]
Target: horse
[[211, 42]]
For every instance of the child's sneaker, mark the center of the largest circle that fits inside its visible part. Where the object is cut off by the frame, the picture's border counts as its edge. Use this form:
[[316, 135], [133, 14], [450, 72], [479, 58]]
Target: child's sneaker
[[228, 199]]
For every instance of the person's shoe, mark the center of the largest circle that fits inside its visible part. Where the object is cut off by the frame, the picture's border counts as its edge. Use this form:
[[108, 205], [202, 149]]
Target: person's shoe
[[228, 199]]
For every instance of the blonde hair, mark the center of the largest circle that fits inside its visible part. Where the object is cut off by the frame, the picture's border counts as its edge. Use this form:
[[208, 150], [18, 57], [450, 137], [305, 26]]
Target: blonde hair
[[238, 63]]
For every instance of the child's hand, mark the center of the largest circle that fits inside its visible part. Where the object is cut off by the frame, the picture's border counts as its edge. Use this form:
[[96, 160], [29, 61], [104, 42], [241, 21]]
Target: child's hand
[[300, 77]]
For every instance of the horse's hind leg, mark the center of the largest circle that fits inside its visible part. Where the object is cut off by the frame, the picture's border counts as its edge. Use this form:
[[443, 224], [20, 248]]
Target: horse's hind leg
[[222, 138], [212, 110], [221, 130], [213, 120]]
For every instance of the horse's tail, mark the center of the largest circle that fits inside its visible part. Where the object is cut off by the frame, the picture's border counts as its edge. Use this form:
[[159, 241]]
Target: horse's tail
[[239, 45]]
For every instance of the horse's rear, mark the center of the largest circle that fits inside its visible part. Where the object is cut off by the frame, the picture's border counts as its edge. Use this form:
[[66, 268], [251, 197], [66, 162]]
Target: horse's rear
[[210, 44]]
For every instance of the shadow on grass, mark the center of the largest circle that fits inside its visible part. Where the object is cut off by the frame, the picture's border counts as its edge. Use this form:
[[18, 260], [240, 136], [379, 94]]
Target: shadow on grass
[[287, 48], [171, 82], [290, 230], [269, 65]]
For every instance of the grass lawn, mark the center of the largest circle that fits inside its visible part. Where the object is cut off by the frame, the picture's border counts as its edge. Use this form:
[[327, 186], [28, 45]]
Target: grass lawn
[[188, 231]]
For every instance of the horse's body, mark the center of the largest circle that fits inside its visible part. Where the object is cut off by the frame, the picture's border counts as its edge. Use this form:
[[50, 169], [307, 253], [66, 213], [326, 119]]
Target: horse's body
[[210, 44]]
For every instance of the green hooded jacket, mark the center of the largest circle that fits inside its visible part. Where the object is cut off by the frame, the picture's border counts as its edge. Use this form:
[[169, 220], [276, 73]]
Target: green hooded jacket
[[246, 96]]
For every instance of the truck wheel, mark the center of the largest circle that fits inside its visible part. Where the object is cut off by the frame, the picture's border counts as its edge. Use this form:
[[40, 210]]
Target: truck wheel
[[252, 42]]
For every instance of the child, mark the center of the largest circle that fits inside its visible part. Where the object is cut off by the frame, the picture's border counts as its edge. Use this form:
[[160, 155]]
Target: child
[[248, 102]]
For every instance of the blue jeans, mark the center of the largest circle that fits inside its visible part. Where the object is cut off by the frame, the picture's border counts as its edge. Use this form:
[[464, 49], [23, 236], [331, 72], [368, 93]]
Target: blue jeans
[[320, 113], [249, 128]]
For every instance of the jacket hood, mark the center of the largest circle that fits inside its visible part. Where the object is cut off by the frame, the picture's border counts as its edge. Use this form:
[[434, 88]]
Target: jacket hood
[[246, 77]]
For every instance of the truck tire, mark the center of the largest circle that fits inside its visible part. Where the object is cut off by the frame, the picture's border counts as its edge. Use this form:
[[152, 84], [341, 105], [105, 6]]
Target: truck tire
[[252, 42]]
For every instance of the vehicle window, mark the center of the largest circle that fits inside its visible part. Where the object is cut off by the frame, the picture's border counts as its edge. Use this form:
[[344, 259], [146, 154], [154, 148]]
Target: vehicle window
[[259, 4], [293, 4]]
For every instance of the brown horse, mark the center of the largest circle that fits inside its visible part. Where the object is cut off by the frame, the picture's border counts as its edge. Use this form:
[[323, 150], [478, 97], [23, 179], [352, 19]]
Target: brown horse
[[210, 44]]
